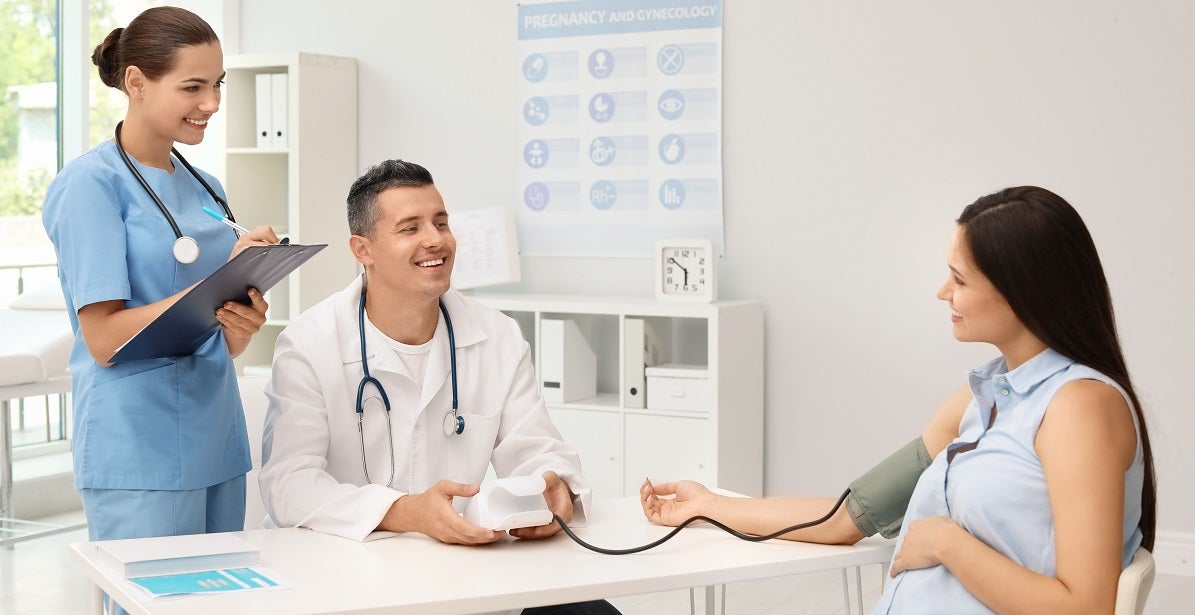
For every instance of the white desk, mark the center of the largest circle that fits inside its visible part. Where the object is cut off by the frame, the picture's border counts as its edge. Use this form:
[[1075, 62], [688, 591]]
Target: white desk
[[414, 574]]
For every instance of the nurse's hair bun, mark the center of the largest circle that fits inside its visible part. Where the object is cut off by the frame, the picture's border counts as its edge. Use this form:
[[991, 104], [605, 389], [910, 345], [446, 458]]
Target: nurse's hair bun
[[105, 57]]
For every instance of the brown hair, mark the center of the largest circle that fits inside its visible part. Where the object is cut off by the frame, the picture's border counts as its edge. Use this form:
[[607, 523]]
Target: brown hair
[[150, 42], [1037, 252]]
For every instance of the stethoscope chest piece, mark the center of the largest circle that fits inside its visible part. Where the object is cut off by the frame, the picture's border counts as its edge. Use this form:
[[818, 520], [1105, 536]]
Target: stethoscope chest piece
[[186, 249], [454, 424]]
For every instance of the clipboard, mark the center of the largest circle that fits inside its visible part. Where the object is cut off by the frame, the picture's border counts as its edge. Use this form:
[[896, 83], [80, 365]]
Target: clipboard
[[187, 324]]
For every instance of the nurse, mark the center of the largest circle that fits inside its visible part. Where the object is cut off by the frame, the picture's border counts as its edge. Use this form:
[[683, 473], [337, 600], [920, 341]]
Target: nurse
[[160, 446]]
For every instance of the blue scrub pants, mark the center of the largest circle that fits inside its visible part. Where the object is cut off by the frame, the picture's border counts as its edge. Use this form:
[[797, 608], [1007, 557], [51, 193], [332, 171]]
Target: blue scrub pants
[[128, 513]]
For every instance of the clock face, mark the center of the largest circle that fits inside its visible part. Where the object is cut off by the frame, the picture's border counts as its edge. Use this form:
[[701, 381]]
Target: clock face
[[685, 270]]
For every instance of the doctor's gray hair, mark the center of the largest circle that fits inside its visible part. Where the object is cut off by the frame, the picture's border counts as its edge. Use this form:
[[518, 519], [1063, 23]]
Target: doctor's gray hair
[[363, 195]]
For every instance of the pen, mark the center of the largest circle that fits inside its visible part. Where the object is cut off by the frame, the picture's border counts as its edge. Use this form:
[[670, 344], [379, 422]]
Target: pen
[[221, 217], [236, 227]]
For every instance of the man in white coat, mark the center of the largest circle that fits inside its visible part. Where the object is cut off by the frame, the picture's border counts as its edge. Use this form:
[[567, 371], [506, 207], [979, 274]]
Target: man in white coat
[[315, 473]]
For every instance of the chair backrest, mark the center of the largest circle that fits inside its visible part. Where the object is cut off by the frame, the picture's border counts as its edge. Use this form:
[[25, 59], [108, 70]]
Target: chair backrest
[[253, 398], [1135, 582]]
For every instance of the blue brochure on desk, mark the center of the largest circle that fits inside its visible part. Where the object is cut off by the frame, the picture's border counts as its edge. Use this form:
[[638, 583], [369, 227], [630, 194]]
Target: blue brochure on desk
[[187, 324], [207, 582]]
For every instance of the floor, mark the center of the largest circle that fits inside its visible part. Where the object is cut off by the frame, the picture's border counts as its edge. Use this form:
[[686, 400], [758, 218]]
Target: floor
[[37, 577]]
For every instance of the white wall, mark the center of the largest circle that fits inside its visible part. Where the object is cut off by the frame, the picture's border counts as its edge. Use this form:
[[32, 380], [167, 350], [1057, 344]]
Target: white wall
[[853, 136]]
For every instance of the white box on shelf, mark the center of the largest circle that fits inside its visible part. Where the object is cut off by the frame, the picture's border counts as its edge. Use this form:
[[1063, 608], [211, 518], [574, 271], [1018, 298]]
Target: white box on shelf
[[567, 365], [679, 387]]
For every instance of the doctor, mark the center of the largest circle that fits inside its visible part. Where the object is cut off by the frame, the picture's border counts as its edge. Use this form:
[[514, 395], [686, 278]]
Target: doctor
[[400, 324]]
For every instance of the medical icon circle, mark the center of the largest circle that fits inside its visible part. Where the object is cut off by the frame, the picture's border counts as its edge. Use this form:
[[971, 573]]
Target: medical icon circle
[[672, 194], [603, 194], [601, 151], [535, 153], [535, 67], [601, 63], [536, 196], [671, 104], [535, 110], [670, 59], [601, 107], [672, 149]]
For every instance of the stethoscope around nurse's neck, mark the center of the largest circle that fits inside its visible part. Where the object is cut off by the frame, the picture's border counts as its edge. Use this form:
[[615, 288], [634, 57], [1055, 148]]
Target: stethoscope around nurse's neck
[[454, 423], [186, 249]]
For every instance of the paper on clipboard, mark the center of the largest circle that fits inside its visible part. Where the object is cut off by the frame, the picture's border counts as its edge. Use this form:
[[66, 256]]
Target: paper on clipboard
[[187, 324]]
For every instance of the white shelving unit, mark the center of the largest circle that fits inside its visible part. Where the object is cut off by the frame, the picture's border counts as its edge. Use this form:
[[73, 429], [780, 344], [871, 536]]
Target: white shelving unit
[[300, 189], [720, 444]]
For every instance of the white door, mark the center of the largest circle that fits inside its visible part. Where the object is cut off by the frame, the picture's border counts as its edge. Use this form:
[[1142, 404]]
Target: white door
[[667, 448], [597, 436]]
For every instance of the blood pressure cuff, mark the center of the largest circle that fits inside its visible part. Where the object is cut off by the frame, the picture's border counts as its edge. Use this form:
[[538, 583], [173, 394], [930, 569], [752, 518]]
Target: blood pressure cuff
[[878, 499]]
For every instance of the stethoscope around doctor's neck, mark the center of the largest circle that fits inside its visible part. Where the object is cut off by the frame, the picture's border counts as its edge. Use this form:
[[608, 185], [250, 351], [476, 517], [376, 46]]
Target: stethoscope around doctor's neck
[[454, 423], [186, 249]]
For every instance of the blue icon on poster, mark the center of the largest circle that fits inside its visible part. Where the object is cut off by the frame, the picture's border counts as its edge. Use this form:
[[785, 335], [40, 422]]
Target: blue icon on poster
[[535, 153], [601, 107], [672, 194], [601, 63], [671, 104], [603, 194], [601, 151], [670, 59], [672, 149], [535, 110], [535, 195], [535, 67]]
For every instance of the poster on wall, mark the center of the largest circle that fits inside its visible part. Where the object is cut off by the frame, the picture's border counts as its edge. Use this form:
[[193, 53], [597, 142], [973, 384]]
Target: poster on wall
[[621, 125]]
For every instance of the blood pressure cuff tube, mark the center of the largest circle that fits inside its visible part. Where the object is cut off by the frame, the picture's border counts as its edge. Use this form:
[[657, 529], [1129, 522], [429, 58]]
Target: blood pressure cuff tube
[[878, 499]]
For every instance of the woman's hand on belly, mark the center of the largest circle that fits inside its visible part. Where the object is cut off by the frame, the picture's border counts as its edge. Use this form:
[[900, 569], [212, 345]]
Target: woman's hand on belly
[[923, 543]]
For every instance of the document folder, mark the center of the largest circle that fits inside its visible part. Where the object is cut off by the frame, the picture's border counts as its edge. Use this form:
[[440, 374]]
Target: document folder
[[187, 324]]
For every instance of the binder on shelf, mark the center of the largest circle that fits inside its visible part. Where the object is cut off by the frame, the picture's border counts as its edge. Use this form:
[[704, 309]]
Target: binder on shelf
[[278, 111], [568, 367], [187, 325], [634, 362], [264, 106], [134, 557]]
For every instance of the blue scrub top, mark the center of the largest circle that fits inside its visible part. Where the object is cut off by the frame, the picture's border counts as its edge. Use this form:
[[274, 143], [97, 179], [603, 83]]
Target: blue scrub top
[[160, 424]]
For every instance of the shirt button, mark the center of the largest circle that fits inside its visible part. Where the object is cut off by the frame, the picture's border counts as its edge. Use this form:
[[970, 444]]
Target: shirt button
[[1003, 381], [1004, 391]]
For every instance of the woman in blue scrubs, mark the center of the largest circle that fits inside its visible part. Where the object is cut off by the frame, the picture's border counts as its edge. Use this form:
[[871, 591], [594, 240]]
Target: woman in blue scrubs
[[160, 446]]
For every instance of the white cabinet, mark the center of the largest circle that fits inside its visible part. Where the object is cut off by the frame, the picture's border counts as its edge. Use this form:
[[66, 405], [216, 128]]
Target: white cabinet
[[717, 440], [298, 186]]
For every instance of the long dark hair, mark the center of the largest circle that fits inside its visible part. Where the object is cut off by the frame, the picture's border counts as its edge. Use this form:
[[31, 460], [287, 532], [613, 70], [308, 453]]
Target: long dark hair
[[151, 42], [1037, 252]]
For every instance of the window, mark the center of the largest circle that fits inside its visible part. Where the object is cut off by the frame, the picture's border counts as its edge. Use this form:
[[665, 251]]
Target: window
[[30, 142]]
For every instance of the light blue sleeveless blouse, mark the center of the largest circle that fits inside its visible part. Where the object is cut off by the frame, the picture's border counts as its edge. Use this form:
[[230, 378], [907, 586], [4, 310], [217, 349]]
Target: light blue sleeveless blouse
[[997, 491]]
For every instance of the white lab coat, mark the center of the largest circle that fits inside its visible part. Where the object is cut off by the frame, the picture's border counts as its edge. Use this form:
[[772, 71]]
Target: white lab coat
[[311, 474]]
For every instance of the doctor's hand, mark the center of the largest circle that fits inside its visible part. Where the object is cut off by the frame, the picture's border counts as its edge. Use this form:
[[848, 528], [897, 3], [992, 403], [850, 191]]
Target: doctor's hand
[[241, 321], [690, 499], [920, 546], [430, 513], [259, 236], [560, 501]]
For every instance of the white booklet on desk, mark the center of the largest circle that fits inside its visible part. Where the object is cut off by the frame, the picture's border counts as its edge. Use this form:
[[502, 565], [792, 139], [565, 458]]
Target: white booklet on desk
[[137, 557]]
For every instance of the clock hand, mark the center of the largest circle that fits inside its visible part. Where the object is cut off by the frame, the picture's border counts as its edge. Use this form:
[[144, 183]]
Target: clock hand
[[673, 261]]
